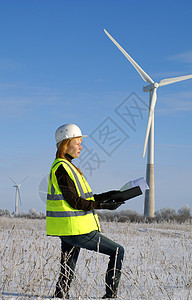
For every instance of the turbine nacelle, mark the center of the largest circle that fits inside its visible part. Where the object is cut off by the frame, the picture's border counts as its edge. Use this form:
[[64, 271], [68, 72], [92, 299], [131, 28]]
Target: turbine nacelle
[[150, 87]]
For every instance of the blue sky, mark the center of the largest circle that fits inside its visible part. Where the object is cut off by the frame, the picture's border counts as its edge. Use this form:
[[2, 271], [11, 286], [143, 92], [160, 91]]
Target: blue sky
[[58, 66]]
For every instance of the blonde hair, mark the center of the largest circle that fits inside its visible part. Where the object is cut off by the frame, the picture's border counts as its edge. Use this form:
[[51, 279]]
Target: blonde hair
[[62, 150]]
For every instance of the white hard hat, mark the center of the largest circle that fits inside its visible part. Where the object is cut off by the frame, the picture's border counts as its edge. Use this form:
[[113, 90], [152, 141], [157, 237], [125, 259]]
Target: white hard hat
[[68, 131]]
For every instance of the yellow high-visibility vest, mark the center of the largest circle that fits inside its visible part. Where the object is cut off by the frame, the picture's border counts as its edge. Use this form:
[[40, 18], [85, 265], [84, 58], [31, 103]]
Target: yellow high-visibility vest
[[61, 218]]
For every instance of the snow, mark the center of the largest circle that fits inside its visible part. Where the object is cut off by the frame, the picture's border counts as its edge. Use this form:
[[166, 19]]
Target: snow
[[157, 264]]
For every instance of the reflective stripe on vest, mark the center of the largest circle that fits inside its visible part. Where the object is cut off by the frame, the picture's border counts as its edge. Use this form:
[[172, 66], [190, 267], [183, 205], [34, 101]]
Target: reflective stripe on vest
[[60, 196], [64, 214]]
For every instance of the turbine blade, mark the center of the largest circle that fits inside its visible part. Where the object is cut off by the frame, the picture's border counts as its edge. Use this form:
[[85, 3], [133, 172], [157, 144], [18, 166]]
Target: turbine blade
[[18, 189], [24, 179], [151, 113], [147, 135], [173, 80], [12, 180], [141, 72]]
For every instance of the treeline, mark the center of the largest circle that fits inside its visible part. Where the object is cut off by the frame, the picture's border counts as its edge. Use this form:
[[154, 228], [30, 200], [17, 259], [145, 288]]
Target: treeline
[[163, 215], [32, 214]]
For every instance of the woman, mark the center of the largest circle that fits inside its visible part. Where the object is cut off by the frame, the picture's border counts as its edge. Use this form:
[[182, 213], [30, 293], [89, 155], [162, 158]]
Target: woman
[[71, 215]]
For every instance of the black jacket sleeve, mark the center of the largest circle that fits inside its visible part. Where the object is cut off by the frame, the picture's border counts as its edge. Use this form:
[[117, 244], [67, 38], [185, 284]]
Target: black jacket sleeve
[[68, 189]]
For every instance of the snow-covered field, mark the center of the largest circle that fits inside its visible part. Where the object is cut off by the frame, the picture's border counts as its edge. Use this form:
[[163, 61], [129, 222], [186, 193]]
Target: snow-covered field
[[157, 265]]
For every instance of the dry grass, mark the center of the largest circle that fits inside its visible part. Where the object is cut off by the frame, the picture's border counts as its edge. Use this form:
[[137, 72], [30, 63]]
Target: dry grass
[[157, 265]]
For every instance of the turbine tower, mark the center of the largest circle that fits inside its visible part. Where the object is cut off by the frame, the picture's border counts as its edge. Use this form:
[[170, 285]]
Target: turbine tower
[[149, 138], [17, 193]]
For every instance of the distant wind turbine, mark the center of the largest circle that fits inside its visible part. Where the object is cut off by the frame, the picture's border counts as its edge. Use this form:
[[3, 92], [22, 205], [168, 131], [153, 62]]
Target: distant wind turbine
[[149, 138], [17, 193]]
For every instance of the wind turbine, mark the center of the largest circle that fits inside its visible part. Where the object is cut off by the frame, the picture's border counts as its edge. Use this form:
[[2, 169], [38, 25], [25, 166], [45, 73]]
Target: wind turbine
[[149, 138], [17, 193]]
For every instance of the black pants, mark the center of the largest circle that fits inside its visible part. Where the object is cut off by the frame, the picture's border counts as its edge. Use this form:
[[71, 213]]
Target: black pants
[[70, 248]]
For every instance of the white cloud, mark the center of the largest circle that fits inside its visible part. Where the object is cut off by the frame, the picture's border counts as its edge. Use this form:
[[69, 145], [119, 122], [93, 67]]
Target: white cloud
[[175, 102], [9, 65], [163, 75], [17, 99], [185, 57]]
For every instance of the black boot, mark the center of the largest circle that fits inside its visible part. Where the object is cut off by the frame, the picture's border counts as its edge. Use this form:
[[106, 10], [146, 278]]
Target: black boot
[[112, 284], [61, 291], [60, 294], [106, 296]]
